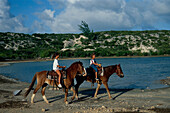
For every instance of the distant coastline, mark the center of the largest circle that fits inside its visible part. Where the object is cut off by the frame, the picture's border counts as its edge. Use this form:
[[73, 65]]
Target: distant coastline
[[18, 46], [8, 62]]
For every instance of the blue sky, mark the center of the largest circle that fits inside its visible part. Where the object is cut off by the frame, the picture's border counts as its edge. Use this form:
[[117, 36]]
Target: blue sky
[[63, 16], [27, 9]]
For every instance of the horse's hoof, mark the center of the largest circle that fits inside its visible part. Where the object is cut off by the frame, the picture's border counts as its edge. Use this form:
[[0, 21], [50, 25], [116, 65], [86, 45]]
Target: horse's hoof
[[32, 102], [72, 98], [24, 100], [66, 103], [47, 102], [95, 97], [110, 98], [77, 97]]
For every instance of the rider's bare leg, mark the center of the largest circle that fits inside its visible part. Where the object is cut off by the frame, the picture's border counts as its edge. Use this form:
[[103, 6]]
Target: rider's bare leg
[[96, 74], [59, 74]]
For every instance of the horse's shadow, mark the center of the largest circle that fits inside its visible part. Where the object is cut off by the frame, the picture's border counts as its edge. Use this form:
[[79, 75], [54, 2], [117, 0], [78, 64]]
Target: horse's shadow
[[55, 98], [90, 93], [115, 91], [52, 99]]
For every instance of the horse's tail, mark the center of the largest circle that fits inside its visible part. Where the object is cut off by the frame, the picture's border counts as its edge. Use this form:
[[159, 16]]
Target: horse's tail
[[31, 85]]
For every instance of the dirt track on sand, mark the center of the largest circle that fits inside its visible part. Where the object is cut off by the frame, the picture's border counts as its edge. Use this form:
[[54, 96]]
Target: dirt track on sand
[[124, 100]]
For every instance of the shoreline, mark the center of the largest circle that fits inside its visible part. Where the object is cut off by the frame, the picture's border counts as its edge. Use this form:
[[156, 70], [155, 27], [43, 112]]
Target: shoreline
[[7, 62], [123, 100]]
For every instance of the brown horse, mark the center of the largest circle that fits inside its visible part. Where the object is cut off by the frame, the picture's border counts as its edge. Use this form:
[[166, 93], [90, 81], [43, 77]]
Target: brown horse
[[108, 71], [43, 81]]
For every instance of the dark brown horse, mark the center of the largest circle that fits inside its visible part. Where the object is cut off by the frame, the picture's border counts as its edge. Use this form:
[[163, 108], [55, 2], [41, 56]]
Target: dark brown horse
[[108, 71], [43, 81]]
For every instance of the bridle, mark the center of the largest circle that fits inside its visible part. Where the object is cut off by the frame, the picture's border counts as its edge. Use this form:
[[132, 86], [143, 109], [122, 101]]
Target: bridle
[[84, 73], [117, 70]]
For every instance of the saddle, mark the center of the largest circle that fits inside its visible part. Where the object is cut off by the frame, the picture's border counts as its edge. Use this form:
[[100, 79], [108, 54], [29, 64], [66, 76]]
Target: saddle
[[100, 71], [91, 73], [52, 75]]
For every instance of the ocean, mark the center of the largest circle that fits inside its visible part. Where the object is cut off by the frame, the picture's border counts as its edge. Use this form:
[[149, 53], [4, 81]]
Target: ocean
[[140, 73]]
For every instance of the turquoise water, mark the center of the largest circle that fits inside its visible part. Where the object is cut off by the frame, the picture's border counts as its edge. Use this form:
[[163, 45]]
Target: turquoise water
[[139, 73]]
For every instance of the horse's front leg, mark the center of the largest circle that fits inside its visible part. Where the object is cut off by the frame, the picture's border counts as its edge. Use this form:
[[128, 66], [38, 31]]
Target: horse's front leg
[[66, 94], [106, 86], [35, 91], [74, 93], [97, 89], [79, 80], [76, 88], [43, 93]]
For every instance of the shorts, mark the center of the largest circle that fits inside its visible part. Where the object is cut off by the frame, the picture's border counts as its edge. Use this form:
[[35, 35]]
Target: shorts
[[94, 67], [56, 69]]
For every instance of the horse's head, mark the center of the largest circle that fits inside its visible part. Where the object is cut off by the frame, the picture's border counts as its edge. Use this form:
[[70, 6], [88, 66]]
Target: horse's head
[[119, 71], [80, 68], [99, 68]]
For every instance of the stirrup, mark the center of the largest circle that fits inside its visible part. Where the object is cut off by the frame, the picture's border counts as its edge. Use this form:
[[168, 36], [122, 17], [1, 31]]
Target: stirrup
[[96, 79], [59, 87]]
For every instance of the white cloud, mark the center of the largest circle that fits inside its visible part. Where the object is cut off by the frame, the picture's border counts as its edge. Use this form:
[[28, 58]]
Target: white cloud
[[39, 27], [73, 1], [65, 15], [47, 14], [8, 22], [161, 7], [107, 14]]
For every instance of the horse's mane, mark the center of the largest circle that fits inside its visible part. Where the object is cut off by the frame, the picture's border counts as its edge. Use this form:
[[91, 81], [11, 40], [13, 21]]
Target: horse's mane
[[110, 66], [75, 64]]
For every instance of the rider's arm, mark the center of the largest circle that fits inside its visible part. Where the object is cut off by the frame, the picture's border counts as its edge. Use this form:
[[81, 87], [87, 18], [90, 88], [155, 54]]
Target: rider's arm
[[95, 63], [61, 66]]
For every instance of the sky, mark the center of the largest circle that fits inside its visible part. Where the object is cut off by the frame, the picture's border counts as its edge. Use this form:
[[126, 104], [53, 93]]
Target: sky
[[64, 16]]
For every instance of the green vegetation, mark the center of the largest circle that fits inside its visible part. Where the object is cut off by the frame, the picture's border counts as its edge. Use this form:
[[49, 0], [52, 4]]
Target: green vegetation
[[19, 46], [84, 27]]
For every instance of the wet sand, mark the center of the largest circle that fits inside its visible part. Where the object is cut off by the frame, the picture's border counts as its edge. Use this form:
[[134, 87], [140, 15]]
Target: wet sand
[[123, 100], [7, 62]]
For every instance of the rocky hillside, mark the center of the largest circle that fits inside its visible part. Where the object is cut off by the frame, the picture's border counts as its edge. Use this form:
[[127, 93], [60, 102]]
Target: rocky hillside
[[107, 43]]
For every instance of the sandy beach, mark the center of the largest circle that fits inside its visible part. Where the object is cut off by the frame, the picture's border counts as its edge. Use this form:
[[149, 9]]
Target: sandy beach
[[123, 100], [7, 62]]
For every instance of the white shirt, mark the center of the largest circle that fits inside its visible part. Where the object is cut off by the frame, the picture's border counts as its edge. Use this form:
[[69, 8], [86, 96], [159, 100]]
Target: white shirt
[[91, 61], [55, 64]]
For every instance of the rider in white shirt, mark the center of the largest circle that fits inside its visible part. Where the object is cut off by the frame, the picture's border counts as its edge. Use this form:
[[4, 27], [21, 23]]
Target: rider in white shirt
[[56, 67]]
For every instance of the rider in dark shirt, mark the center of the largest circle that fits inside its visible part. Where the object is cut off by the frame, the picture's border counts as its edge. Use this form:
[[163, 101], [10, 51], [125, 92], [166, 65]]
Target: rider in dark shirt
[[94, 64]]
